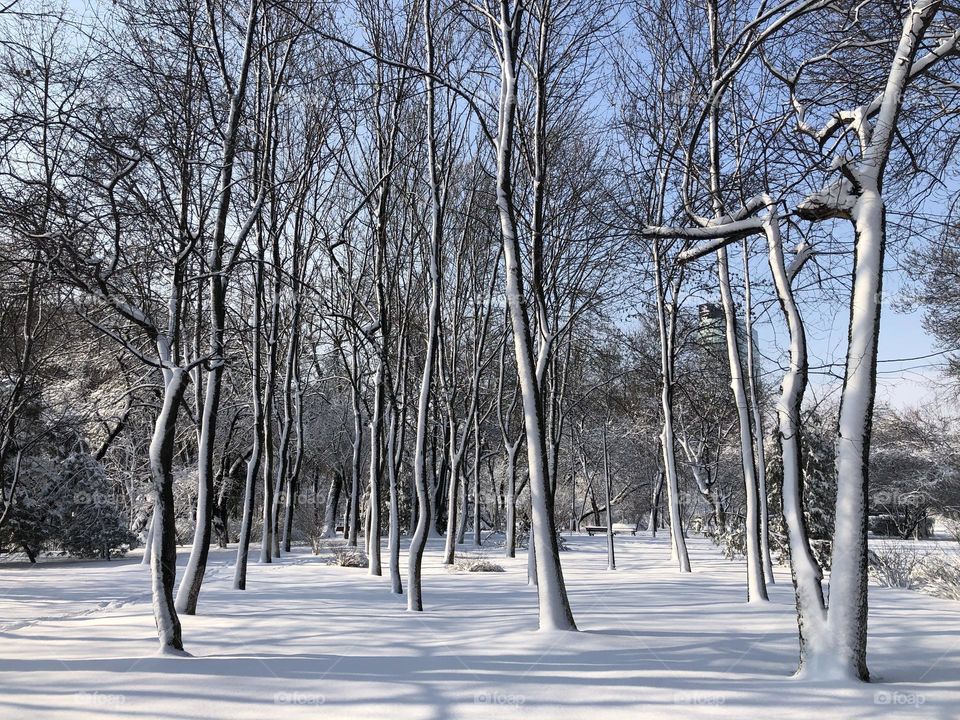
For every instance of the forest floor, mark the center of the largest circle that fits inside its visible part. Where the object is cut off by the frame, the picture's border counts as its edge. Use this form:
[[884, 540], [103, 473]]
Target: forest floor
[[311, 640]]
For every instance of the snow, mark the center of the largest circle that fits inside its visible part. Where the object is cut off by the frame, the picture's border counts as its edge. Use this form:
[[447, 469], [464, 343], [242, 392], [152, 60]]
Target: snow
[[311, 640]]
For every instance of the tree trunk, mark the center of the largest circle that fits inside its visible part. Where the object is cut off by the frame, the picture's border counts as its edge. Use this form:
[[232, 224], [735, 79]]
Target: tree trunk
[[424, 519], [806, 572], [655, 505], [847, 618], [464, 507], [189, 591], [477, 540], [510, 543], [843, 654], [758, 433], [253, 462], [292, 415], [148, 542], [376, 468], [354, 507], [756, 589], [393, 532], [554, 607], [453, 497], [611, 555], [330, 511], [678, 545], [163, 563], [531, 558], [266, 538]]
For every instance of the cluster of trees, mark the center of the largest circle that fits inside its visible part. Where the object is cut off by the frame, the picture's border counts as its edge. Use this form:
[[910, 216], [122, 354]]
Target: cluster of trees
[[283, 269]]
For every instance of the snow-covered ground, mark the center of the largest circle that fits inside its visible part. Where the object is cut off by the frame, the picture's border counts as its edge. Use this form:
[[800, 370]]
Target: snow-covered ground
[[311, 640]]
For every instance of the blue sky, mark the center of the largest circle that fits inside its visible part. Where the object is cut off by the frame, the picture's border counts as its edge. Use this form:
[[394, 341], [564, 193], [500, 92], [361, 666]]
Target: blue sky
[[907, 383], [903, 384]]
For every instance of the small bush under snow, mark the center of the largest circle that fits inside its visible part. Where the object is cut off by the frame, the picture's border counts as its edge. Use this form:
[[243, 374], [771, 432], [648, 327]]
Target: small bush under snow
[[939, 575], [902, 565], [895, 564], [345, 556], [476, 562]]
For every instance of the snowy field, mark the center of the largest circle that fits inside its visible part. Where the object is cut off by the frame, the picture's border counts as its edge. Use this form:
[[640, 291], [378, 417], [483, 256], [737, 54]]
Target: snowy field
[[311, 640]]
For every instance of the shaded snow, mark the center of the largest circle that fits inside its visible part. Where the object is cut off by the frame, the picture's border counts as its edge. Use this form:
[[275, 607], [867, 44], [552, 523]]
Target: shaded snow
[[310, 640]]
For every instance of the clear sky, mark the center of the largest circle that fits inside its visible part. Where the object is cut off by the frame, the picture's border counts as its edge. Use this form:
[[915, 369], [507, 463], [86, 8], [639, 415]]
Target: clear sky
[[907, 382], [910, 361], [906, 378]]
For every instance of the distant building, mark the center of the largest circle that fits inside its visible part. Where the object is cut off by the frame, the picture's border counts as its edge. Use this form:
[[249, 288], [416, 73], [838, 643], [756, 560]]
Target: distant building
[[711, 325], [712, 332]]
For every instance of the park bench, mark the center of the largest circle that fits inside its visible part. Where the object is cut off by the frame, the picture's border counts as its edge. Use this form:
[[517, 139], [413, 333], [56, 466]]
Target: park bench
[[598, 529]]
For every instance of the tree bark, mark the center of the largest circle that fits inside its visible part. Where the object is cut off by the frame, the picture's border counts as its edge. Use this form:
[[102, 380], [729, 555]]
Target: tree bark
[[758, 433], [163, 562], [330, 510], [806, 572], [188, 593], [756, 589], [611, 554], [253, 462], [424, 519], [554, 607], [678, 545]]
